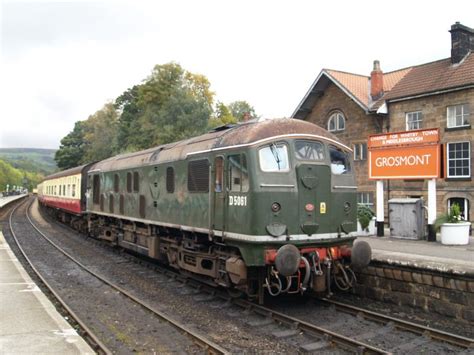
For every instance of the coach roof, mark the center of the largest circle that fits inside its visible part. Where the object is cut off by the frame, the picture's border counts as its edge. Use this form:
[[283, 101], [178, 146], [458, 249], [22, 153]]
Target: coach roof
[[245, 133]]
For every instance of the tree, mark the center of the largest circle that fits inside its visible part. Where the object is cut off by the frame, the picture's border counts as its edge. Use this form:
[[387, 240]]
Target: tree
[[72, 148], [128, 130], [240, 109], [222, 116], [100, 134]]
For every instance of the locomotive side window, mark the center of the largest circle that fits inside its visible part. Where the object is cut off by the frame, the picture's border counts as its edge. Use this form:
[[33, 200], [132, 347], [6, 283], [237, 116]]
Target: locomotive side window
[[274, 158], [116, 183], [308, 150], [339, 161], [170, 179], [238, 174], [129, 182], [219, 164], [136, 181], [96, 189], [198, 176]]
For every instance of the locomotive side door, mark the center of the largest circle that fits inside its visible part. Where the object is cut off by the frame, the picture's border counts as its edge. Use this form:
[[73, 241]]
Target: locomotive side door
[[218, 194]]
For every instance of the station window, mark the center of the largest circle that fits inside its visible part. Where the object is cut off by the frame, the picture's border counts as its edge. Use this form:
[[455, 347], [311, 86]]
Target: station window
[[336, 122], [360, 151], [274, 158], [463, 206], [170, 179], [458, 116], [365, 198], [413, 120], [238, 173], [198, 176], [459, 160]]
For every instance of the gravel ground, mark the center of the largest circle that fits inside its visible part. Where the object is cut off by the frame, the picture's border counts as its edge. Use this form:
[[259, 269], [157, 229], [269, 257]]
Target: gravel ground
[[227, 326], [164, 294], [121, 324]]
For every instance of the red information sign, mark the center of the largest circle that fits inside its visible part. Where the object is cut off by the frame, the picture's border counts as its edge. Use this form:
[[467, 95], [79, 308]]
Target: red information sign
[[391, 139], [405, 155], [405, 162]]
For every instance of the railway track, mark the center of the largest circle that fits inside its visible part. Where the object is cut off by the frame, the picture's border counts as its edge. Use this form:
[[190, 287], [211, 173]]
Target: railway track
[[205, 344], [304, 335], [77, 322]]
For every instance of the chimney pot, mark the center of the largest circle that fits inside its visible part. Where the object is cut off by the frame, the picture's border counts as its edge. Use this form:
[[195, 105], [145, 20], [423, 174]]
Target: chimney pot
[[462, 42], [376, 81]]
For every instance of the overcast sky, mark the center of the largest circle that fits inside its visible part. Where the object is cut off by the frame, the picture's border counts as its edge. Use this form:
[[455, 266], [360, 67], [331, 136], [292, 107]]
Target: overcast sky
[[63, 60]]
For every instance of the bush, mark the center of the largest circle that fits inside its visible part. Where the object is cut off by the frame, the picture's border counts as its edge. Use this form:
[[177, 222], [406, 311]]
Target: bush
[[364, 216]]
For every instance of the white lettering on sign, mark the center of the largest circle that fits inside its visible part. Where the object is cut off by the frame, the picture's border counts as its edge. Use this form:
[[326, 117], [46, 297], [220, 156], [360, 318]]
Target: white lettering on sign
[[237, 200], [403, 160]]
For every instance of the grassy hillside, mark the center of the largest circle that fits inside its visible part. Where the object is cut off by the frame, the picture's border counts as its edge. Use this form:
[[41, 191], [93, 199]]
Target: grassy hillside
[[30, 159]]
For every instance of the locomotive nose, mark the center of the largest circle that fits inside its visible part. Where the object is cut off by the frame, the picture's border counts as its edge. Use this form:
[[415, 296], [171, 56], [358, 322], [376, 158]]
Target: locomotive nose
[[287, 260]]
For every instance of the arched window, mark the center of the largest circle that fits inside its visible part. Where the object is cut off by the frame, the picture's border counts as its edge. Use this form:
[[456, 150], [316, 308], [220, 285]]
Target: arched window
[[336, 122], [463, 205]]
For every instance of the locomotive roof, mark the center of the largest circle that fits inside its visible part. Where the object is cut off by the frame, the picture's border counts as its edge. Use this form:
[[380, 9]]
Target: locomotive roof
[[241, 134]]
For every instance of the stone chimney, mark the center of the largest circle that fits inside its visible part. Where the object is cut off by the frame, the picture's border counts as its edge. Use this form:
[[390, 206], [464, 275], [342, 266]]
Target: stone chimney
[[376, 81], [462, 42]]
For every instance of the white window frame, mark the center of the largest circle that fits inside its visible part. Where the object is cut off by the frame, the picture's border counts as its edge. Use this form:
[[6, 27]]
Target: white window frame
[[337, 118], [450, 159], [414, 118], [464, 115], [366, 200], [360, 151]]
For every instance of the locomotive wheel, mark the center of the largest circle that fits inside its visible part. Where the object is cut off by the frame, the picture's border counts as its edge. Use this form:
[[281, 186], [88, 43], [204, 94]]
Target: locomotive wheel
[[234, 293]]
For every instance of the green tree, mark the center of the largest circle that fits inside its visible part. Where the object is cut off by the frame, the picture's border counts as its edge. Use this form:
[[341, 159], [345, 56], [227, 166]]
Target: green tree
[[241, 109], [100, 134], [128, 130], [72, 148], [222, 116]]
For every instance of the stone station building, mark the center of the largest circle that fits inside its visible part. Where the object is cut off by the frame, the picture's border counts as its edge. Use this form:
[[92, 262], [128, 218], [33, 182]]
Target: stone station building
[[438, 94]]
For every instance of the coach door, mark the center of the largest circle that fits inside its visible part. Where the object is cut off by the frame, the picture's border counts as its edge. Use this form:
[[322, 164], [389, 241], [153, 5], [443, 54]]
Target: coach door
[[218, 195]]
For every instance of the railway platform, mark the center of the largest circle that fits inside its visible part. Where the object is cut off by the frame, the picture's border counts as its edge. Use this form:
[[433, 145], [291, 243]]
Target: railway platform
[[456, 259], [29, 322], [4, 200]]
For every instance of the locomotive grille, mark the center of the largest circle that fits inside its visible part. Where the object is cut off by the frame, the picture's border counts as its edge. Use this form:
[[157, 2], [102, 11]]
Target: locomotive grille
[[170, 179], [198, 176]]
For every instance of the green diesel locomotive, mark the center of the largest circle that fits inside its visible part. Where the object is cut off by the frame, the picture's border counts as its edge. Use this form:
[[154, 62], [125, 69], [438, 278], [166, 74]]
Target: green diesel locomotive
[[265, 206]]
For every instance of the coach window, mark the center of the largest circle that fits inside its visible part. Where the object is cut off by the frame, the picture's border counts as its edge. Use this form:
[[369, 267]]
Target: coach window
[[274, 158], [60, 189], [339, 161], [69, 190], [238, 173], [73, 190], [129, 182], [219, 165], [116, 183], [136, 181]]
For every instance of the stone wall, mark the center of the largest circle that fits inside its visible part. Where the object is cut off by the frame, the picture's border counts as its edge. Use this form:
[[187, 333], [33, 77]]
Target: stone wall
[[448, 294]]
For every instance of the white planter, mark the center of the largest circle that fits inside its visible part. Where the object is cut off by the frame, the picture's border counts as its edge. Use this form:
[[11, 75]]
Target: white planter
[[370, 231], [455, 233]]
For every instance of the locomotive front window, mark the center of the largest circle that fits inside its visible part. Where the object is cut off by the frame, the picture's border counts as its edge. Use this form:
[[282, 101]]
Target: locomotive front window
[[274, 158], [307, 150], [340, 163]]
